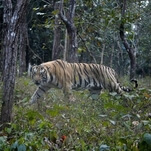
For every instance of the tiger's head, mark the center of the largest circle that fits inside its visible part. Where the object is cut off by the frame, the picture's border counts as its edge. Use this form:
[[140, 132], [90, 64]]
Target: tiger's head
[[39, 74]]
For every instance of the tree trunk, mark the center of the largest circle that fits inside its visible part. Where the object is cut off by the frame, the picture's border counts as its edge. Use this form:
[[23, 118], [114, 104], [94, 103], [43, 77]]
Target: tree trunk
[[120, 58], [66, 46], [11, 20], [1, 23], [71, 36], [111, 56], [131, 50], [102, 54], [57, 34], [23, 33]]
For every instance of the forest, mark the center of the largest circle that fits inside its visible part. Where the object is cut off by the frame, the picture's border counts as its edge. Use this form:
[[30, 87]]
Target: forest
[[114, 33]]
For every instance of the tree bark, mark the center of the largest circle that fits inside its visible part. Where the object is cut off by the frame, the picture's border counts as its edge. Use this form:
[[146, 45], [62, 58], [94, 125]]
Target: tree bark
[[120, 58], [1, 23], [23, 33], [66, 46], [102, 54], [57, 34], [111, 56], [12, 17], [131, 50], [71, 36]]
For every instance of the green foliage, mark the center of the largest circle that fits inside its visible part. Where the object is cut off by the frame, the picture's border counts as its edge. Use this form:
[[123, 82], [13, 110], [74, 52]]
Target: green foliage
[[112, 122], [97, 24]]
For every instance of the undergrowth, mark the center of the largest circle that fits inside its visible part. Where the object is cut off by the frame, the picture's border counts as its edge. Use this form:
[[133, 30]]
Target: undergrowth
[[112, 122]]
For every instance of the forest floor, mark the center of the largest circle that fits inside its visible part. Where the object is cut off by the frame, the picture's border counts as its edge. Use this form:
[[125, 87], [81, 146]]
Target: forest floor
[[109, 123]]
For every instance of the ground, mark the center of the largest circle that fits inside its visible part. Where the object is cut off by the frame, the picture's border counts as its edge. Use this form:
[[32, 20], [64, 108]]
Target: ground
[[111, 122]]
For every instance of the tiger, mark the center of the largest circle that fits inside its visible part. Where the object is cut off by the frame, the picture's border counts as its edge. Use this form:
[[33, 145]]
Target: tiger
[[67, 76]]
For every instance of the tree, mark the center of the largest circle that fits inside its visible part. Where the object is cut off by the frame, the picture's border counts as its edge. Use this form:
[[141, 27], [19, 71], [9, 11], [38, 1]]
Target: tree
[[57, 33], [1, 21], [131, 50], [97, 27], [23, 36], [144, 40], [71, 32], [12, 17]]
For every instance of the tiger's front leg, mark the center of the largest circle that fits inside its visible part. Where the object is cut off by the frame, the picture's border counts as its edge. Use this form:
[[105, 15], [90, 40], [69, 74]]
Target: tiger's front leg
[[38, 93]]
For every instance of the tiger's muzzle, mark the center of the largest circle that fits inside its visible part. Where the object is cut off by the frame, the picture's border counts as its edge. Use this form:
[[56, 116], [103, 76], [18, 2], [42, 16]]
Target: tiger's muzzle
[[37, 82]]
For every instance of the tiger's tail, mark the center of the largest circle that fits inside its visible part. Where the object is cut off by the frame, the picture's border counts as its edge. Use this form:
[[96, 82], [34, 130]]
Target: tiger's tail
[[135, 81], [128, 89]]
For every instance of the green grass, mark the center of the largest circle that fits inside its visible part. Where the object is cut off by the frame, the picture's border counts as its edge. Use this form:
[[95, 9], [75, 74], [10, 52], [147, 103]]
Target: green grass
[[113, 122]]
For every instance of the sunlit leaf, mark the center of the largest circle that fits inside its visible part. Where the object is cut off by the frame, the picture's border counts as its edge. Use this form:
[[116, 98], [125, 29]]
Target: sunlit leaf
[[112, 122], [102, 115], [104, 147], [145, 122]]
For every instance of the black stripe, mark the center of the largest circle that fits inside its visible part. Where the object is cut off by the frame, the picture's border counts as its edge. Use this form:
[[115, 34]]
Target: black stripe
[[94, 82], [80, 79], [74, 66], [60, 64], [96, 69], [86, 83], [38, 95], [89, 79], [90, 68], [85, 67], [51, 77], [94, 73], [79, 65], [75, 79], [86, 73], [93, 70], [42, 89], [63, 67], [107, 75], [102, 75]]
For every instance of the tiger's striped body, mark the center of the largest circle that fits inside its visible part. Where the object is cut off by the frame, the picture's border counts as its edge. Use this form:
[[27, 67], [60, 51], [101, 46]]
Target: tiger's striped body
[[67, 76]]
